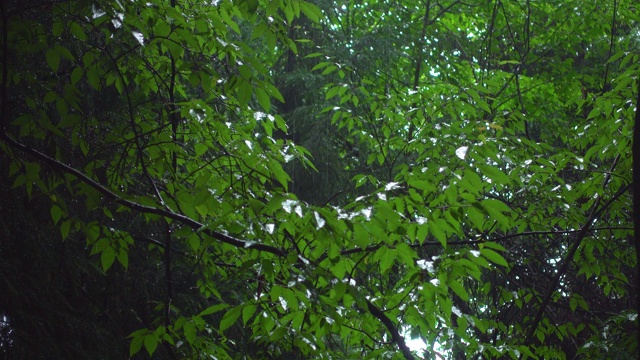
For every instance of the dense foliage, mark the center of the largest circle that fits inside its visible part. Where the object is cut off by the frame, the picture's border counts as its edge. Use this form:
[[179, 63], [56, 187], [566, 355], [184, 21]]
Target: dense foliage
[[290, 179]]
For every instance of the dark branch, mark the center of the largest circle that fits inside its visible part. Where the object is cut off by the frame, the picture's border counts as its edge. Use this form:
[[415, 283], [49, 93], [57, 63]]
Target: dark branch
[[5, 71], [595, 212], [395, 334], [183, 219], [636, 201]]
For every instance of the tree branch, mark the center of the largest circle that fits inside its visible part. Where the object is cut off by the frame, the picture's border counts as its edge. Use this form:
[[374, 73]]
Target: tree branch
[[395, 334], [496, 239], [636, 202], [596, 210], [5, 71], [183, 219]]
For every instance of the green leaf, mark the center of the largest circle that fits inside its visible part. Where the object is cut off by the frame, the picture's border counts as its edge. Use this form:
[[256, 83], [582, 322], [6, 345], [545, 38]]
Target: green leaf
[[288, 13], [438, 230], [273, 91], [459, 290], [213, 309], [311, 11], [162, 28], [493, 245], [245, 72], [190, 332], [93, 78], [56, 213], [123, 258], [496, 175], [495, 208], [472, 182], [58, 28], [332, 92], [250, 6], [387, 259], [495, 204], [245, 90], [471, 268], [63, 110], [53, 59], [136, 345], [503, 62], [228, 20], [290, 297], [321, 65], [313, 55], [64, 52], [263, 99], [478, 100], [280, 175], [476, 217], [594, 112], [361, 236], [107, 257], [151, 343], [229, 318], [329, 69], [630, 56], [194, 79], [421, 234], [64, 228], [479, 260], [77, 31], [425, 186], [339, 269], [247, 313], [76, 75], [494, 257], [200, 149], [617, 56]]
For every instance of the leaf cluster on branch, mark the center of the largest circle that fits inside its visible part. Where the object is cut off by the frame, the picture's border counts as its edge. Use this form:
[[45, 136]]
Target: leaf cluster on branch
[[315, 179]]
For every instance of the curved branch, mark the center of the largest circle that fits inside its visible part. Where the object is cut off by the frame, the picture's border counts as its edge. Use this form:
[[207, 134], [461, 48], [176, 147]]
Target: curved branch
[[183, 219], [395, 334]]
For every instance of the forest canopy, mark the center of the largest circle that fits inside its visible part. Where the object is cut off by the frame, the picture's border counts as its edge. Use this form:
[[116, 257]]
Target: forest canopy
[[291, 179]]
